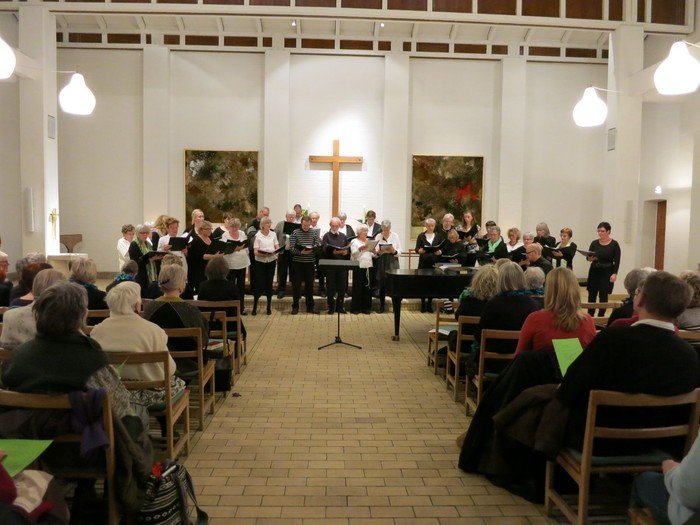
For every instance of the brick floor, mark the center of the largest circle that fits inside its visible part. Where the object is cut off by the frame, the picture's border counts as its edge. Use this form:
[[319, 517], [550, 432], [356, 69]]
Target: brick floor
[[341, 436]]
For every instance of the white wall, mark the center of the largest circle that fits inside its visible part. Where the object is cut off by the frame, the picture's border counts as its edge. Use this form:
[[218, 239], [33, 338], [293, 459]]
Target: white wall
[[11, 195], [335, 98], [100, 156], [216, 104], [563, 163]]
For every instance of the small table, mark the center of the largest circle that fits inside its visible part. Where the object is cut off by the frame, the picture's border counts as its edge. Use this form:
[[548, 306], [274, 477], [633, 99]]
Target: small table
[[63, 261]]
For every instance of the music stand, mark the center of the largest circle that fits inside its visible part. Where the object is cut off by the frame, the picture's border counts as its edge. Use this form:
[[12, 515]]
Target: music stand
[[339, 263]]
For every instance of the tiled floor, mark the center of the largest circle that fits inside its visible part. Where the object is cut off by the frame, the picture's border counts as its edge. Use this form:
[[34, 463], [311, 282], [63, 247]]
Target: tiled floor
[[341, 436]]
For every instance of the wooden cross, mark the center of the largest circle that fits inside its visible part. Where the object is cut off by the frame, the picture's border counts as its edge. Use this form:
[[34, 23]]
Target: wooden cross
[[335, 160]]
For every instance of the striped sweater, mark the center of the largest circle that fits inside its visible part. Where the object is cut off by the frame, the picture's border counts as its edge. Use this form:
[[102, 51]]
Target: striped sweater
[[300, 239]]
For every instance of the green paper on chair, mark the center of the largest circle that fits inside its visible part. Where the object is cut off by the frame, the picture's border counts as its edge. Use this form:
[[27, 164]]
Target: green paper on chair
[[567, 350], [21, 452]]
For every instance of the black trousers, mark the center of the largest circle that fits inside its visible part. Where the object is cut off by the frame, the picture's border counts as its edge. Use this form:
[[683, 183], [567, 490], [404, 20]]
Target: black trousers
[[361, 291], [336, 283], [264, 274], [237, 277], [303, 271], [284, 261], [603, 294]]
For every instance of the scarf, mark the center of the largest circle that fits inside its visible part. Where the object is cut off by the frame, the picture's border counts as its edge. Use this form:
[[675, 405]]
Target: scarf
[[124, 277], [87, 286], [515, 293], [151, 265], [492, 247]]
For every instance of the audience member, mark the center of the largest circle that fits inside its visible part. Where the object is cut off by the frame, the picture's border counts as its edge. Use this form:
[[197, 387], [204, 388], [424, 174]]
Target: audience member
[[127, 274], [633, 280], [84, 273], [5, 283], [561, 318], [534, 280], [19, 324], [29, 272], [21, 288], [154, 291], [690, 318]]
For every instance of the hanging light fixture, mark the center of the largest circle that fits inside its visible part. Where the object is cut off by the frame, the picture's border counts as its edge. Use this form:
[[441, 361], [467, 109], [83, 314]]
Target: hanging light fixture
[[679, 73], [8, 60], [76, 98], [590, 110]]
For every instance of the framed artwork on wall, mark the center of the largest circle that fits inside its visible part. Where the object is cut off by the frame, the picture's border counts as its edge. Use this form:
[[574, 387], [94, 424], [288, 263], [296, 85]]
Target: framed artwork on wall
[[221, 181], [444, 184]]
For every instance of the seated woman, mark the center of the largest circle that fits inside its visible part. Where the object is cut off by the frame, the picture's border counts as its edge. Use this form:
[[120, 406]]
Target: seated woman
[[171, 311], [19, 324], [126, 331], [218, 288], [561, 318], [128, 274], [5, 283], [29, 272], [21, 288], [154, 292], [61, 359], [690, 318], [84, 273], [634, 280], [534, 280]]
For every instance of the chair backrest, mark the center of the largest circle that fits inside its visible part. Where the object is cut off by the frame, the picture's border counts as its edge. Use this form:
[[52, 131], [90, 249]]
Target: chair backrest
[[488, 334], [193, 346], [93, 315], [601, 306], [689, 335], [232, 311], [118, 358], [599, 398], [442, 318], [466, 320]]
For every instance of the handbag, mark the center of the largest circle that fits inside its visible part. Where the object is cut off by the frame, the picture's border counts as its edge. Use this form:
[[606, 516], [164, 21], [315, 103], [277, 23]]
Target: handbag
[[223, 373], [167, 499]]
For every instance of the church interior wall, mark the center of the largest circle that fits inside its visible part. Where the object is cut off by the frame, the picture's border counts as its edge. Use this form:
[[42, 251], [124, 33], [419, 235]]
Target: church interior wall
[[11, 193], [101, 156]]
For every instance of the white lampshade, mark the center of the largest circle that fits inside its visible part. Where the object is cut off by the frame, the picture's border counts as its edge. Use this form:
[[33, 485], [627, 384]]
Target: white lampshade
[[8, 61], [76, 97], [679, 73], [590, 110]]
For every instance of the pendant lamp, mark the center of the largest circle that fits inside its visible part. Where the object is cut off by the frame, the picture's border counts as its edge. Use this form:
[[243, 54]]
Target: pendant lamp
[[76, 98], [590, 111], [8, 61], [679, 73]]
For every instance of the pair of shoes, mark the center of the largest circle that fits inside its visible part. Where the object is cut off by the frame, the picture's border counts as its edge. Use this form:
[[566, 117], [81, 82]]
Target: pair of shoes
[[280, 295], [430, 309], [366, 312], [331, 311], [381, 309], [341, 310], [269, 311], [295, 310], [422, 308], [354, 312], [311, 311]]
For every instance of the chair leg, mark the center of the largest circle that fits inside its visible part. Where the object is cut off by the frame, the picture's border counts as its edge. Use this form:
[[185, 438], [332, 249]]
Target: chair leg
[[583, 495], [201, 406], [170, 435], [456, 380], [187, 430], [548, 484], [244, 346]]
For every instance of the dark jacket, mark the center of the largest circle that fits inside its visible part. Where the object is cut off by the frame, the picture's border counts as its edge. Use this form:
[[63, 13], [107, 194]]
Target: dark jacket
[[5, 291], [506, 311]]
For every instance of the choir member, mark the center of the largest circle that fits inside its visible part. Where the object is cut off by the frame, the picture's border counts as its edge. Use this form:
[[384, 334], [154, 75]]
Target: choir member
[[454, 251], [446, 225], [427, 246], [495, 247], [362, 275], [128, 233], [297, 213], [534, 258], [544, 238], [262, 212], [5, 283], [284, 259], [345, 228], [172, 225], [200, 252], [265, 245], [605, 264], [158, 230], [219, 231], [373, 227], [388, 248], [320, 272], [303, 243], [197, 220], [334, 247], [238, 261], [518, 255], [513, 243], [565, 250], [139, 251], [469, 225]]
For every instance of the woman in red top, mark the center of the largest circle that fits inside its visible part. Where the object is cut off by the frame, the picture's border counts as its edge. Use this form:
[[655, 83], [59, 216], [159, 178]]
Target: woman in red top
[[561, 318]]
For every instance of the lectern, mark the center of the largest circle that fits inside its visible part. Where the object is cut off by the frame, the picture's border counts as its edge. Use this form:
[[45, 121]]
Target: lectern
[[339, 263]]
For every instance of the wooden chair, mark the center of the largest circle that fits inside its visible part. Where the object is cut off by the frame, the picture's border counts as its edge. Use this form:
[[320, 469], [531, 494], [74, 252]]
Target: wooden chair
[[173, 409], [45, 402], [240, 350], [452, 366], [579, 465], [219, 344], [610, 305], [203, 376], [482, 376], [443, 322], [689, 335]]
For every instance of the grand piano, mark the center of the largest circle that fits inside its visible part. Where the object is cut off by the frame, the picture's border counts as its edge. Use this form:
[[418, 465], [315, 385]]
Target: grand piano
[[411, 284]]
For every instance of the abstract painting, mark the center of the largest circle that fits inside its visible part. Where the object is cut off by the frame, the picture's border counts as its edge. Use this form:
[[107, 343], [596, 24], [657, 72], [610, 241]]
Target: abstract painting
[[221, 181], [445, 185]]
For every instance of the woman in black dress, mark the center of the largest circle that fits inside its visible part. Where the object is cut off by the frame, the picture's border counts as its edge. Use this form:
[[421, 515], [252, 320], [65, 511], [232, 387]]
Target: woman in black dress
[[199, 253], [604, 266], [428, 247], [565, 250], [140, 251]]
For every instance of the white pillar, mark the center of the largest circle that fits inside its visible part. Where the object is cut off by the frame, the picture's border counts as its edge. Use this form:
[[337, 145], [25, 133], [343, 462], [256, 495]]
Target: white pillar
[[511, 148], [156, 134], [622, 164], [39, 152], [276, 135], [396, 167], [693, 245]]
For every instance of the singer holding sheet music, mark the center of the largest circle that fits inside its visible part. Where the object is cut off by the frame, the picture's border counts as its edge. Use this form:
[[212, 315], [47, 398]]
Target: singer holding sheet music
[[139, 251], [362, 276], [303, 243], [265, 246], [238, 261], [388, 249], [428, 246], [335, 246], [200, 252], [172, 225], [604, 266], [563, 253]]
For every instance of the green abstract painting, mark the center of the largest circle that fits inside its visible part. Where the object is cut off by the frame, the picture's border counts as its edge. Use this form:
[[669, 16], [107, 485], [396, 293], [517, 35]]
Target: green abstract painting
[[221, 181]]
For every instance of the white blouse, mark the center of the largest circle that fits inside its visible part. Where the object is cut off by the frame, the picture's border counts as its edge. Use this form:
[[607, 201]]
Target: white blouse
[[393, 240], [266, 243], [511, 248], [364, 256], [163, 242], [239, 259], [123, 252]]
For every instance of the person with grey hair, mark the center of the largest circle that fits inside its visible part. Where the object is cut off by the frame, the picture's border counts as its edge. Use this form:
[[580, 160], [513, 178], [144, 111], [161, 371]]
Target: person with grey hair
[[61, 359], [141, 251], [335, 248], [84, 273], [202, 249], [634, 280], [428, 246], [495, 247], [238, 261], [534, 280], [345, 229], [19, 324], [126, 331], [5, 283], [154, 292], [388, 250], [447, 223], [363, 274], [544, 237], [284, 259], [265, 248], [534, 258], [518, 255]]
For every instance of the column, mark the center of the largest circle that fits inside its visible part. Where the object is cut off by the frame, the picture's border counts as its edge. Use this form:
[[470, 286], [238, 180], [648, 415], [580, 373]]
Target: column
[[156, 134], [38, 146], [622, 164], [396, 168], [693, 245], [273, 190], [511, 148]]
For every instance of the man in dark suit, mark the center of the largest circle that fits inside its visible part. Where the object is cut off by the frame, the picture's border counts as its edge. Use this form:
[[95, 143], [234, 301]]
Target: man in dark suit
[[534, 258]]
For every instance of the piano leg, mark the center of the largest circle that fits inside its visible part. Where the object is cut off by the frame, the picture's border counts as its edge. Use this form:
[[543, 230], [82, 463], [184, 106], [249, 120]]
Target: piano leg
[[396, 303]]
